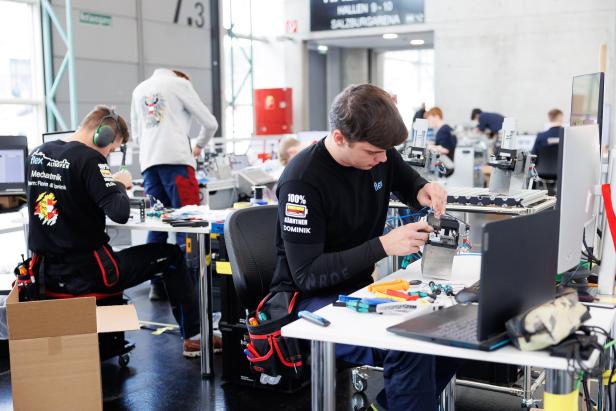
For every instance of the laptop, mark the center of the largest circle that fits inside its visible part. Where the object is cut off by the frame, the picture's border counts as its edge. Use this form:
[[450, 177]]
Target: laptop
[[518, 267]]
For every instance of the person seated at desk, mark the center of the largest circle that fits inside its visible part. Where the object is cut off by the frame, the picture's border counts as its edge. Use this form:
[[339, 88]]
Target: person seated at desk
[[445, 141], [70, 191], [488, 123], [287, 149], [339, 192], [552, 134]]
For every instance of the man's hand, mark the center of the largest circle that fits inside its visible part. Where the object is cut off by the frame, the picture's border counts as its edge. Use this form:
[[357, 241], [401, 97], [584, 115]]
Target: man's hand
[[124, 177], [406, 239], [197, 151], [433, 195]]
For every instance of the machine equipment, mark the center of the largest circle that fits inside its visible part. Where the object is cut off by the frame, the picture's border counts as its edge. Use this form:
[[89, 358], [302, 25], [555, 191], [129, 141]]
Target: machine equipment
[[511, 167]]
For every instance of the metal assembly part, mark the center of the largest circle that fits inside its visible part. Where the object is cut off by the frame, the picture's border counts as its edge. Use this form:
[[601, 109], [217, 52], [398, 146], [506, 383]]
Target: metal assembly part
[[441, 247]]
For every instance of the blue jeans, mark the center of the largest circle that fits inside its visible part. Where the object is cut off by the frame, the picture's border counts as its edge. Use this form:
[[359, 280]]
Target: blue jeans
[[174, 186], [413, 382]]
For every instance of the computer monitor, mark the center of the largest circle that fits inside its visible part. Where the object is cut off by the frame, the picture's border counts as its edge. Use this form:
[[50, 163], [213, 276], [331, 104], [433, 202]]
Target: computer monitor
[[238, 161], [13, 154], [587, 100], [580, 172], [58, 135]]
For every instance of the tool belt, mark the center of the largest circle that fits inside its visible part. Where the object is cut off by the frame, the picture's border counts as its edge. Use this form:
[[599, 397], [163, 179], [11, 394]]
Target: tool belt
[[548, 324], [82, 273], [269, 353], [28, 279]]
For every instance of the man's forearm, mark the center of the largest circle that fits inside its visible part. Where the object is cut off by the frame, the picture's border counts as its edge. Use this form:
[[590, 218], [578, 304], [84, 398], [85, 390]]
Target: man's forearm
[[116, 206], [313, 270]]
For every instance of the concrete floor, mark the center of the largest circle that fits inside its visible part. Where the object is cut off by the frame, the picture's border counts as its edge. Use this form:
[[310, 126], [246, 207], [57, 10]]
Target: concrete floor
[[159, 378]]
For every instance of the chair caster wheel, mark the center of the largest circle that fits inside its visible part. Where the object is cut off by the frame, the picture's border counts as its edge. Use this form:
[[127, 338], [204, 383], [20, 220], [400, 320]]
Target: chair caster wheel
[[123, 360], [360, 401]]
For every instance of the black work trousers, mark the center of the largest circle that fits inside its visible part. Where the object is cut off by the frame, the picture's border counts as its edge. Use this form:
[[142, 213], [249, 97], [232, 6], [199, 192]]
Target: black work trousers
[[79, 275]]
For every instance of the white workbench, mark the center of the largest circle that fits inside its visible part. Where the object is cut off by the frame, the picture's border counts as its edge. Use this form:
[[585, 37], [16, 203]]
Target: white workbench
[[369, 330], [205, 276], [10, 223]]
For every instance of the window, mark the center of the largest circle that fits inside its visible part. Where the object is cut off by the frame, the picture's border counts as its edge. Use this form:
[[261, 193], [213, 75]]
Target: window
[[410, 75], [21, 74], [238, 83]]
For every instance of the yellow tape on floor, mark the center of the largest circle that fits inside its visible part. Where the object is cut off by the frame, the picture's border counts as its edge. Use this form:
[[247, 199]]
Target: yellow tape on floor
[[561, 402], [161, 330]]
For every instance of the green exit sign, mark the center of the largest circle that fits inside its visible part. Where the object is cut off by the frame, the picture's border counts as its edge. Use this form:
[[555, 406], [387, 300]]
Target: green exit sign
[[94, 18]]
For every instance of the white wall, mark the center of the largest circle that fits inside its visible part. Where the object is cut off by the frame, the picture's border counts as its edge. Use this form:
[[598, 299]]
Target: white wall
[[517, 58], [514, 57], [112, 60]]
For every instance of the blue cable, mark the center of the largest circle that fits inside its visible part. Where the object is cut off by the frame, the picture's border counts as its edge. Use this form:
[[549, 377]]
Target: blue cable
[[417, 214]]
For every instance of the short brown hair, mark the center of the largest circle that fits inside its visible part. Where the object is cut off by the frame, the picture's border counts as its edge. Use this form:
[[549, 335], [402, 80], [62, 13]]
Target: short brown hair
[[283, 149], [96, 118], [435, 111], [367, 113], [552, 114], [181, 74]]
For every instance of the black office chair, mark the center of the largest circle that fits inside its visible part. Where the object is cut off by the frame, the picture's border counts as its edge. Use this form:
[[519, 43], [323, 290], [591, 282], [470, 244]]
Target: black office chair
[[547, 167], [250, 239]]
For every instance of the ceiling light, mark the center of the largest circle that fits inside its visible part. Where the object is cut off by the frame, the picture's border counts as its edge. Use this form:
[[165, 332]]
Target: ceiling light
[[417, 42], [322, 48], [390, 36]]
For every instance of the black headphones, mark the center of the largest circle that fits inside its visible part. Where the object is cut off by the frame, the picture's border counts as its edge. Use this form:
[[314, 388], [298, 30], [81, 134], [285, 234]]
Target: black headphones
[[105, 134]]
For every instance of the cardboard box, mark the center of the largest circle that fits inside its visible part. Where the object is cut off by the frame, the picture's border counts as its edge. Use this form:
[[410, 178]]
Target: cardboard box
[[53, 347]]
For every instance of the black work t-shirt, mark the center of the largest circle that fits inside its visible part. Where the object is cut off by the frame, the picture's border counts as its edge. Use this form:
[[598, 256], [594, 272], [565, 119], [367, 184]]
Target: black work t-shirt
[[330, 217], [68, 183], [445, 138]]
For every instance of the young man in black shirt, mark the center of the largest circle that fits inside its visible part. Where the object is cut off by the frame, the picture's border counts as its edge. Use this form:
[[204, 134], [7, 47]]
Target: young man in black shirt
[[333, 200], [70, 190]]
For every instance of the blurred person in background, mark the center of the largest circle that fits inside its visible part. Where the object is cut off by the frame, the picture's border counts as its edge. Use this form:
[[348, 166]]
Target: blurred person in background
[[488, 123], [445, 141], [161, 113], [287, 149], [552, 134]]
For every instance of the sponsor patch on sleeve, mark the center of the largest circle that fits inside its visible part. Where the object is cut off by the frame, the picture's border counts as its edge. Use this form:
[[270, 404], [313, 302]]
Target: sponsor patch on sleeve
[[296, 210], [106, 173]]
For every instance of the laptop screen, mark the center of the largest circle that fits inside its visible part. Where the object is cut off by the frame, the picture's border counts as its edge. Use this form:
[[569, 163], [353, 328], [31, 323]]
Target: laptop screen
[[518, 268]]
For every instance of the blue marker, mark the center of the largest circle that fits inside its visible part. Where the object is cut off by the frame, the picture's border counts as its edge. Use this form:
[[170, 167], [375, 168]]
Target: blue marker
[[345, 298], [313, 318]]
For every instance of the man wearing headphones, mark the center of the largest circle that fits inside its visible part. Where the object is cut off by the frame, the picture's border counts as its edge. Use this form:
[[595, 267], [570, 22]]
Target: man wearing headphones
[[70, 191]]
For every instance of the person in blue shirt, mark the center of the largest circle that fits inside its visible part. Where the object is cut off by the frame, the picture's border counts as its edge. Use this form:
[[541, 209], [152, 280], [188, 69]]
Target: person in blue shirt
[[445, 141], [552, 134], [488, 123]]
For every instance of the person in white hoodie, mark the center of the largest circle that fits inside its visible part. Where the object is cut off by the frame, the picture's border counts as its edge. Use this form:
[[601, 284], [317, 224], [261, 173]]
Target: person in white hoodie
[[162, 109]]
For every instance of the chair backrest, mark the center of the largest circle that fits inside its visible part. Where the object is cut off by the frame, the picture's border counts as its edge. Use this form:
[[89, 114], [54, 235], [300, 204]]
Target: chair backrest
[[547, 162], [250, 240]]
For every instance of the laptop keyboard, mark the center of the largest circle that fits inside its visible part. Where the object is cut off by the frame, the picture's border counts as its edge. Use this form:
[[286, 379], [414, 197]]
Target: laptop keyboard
[[464, 330]]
